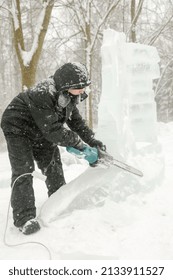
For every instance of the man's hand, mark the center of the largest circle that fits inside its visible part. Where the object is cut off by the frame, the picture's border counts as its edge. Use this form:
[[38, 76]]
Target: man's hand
[[97, 144]]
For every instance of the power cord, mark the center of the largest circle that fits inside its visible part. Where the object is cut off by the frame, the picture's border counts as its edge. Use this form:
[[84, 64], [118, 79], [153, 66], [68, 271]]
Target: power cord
[[41, 177]]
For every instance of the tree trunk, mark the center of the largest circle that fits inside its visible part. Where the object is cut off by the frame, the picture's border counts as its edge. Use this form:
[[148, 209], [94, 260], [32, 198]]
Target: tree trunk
[[28, 60], [88, 58], [28, 75], [135, 13], [133, 28]]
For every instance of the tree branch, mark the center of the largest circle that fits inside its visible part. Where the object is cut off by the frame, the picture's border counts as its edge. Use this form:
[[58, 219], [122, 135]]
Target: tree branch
[[41, 30], [159, 31], [134, 21], [17, 29], [110, 9], [65, 40], [161, 77]]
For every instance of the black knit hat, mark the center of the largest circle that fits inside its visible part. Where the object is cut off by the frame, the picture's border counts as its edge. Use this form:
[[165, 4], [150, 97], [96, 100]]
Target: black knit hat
[[71, 75]]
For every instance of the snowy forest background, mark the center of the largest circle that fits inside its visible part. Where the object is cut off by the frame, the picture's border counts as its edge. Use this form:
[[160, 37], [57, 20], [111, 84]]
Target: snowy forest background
[[39, 36]]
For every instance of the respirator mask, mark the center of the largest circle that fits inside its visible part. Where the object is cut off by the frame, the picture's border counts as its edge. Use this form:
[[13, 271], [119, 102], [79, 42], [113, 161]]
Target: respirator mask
[[65, 98]]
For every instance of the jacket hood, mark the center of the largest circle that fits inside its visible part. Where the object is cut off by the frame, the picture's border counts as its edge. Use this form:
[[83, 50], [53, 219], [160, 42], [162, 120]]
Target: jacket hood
[[71, 75]]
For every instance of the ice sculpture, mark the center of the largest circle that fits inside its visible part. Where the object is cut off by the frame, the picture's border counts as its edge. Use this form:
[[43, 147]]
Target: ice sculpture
[[127, 110]]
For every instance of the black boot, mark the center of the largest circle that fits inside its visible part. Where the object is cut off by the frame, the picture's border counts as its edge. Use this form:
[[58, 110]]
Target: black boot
[[30, 227]]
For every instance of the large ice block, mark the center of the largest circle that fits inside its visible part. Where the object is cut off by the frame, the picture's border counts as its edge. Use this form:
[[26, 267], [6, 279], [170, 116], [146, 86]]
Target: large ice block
[[127, 110]]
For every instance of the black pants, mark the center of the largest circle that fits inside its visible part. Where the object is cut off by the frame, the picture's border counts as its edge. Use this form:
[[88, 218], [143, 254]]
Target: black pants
[[22, 154]]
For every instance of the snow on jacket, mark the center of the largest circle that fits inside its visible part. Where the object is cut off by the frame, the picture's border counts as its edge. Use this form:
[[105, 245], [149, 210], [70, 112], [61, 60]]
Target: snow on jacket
[[36, 113]]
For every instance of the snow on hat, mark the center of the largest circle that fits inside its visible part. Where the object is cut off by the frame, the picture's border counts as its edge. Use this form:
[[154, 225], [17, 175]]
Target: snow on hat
[[71, 75]]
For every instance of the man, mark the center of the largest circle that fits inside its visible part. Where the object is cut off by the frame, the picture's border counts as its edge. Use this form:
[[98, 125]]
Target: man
[[33, 125]]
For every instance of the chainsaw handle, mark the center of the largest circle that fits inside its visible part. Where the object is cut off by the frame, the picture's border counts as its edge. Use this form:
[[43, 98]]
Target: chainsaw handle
[[88, 153]]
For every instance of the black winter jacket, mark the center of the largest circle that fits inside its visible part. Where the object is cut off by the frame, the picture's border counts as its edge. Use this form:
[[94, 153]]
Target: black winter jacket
[[35, 113]]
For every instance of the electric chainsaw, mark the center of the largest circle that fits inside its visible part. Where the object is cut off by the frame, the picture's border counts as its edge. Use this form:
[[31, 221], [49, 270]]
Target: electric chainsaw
[[96, 156]]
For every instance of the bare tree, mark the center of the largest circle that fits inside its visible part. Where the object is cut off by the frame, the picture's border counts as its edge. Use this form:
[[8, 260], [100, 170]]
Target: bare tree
[[135, 13], [78, 36], [28, 59], [90, 17]]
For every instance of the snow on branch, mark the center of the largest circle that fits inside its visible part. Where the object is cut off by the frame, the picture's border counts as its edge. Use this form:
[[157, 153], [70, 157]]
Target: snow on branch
[[159, 31], [14, 13], [27, 55]]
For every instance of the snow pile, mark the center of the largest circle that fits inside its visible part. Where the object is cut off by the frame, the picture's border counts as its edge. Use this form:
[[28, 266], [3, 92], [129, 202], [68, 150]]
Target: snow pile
[[112, 214], [109, 215]]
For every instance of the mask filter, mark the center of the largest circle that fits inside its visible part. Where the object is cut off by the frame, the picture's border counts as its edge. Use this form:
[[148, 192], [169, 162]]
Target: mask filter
[[64, 100]]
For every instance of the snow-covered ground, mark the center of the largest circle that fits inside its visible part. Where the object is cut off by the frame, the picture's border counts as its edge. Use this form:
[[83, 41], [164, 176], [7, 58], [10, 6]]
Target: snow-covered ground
[[102, 214]]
